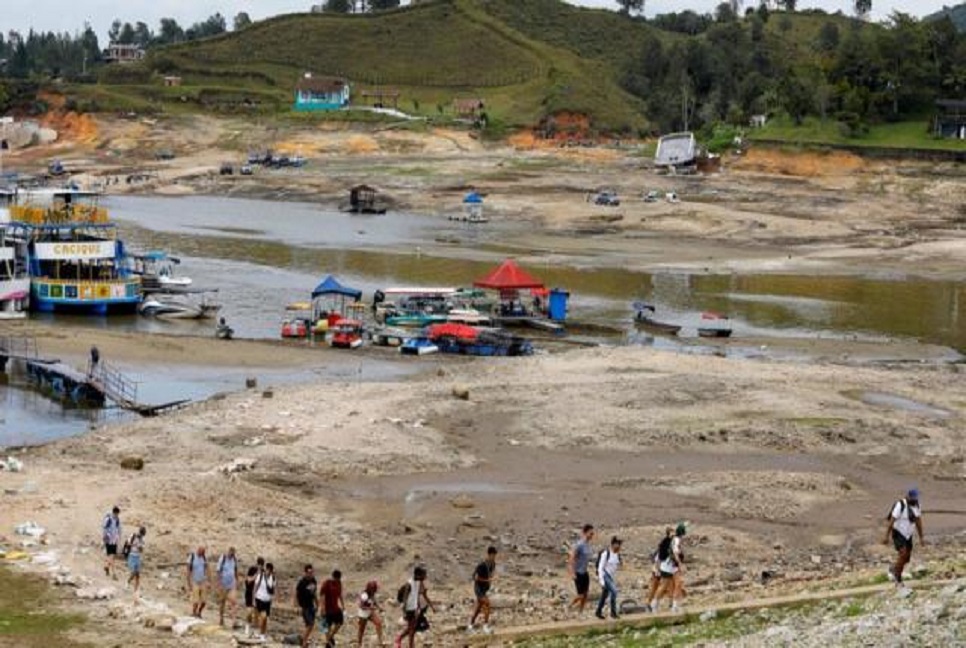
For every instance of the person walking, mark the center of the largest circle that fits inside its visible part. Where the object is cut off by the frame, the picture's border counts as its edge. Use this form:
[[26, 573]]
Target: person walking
[[608, 562], [577, 562], [251, 615], [672, 573], [903, 519], [135, 547], [369, 612], [482, 580], [94, 362], [197, 581], [662, 553], [226, 572], [264, 594], [333, 605], [307, 600], [111, 535], [415, 603]]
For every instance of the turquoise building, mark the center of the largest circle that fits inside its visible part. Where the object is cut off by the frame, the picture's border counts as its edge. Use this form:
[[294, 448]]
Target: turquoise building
[[321, 93]]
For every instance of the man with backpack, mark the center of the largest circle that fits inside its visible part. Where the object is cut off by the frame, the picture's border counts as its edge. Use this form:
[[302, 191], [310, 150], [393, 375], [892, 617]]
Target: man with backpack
[[482, 579], [577, 563], [307, 600], [251, 614], [227, 575], [608, 562], [904, 518], [264, 593], [111, 535], [197, 579]]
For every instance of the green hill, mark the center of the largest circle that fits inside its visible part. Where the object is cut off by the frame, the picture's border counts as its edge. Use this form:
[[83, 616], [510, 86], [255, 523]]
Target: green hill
[[432, 53], [957, 14]]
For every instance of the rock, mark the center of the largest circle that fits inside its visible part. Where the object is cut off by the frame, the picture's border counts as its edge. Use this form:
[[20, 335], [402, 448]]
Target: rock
[[708, 615], [95, 593], [462, 393], [462, 501], [132, 463], [268, 393], [12, 464], [31, 529], [251, 383], [236, 466], [184, 625], [816, 559]]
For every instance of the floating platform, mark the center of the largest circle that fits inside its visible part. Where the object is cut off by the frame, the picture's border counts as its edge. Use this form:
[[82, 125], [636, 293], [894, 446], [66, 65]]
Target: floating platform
[[541, 323]]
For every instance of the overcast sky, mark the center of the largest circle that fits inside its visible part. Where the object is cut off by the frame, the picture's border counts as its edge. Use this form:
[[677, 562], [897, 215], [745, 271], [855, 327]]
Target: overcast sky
[[69, 15]]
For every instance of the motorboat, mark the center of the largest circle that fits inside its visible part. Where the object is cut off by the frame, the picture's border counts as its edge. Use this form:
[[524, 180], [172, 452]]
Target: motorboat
[[714, 325], [171, 308], [420, 345], [156, 269]]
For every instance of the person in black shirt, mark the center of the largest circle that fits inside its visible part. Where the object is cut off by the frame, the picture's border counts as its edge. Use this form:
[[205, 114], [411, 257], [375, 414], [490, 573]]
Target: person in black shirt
[[482, 578], [250, 577], [307, 599]]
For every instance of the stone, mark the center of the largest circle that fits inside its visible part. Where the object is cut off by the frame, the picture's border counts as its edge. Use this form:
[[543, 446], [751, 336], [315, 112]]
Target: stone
[[708, 615], [251, 383], [462, 393], [816, 559], [132, 463], [462, 501]]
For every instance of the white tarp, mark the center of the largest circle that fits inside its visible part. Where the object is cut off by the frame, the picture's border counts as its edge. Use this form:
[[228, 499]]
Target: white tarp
[[75, 250]]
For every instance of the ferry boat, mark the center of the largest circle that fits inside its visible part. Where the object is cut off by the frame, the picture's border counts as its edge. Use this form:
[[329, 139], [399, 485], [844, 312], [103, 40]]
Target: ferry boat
[[14, 279], [74, 256]]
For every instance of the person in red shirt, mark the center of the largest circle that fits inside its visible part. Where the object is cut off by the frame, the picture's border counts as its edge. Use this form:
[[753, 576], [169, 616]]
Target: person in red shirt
[[332, 606]]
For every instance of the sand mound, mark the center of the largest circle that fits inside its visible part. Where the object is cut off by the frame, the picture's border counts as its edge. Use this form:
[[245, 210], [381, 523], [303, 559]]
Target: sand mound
[[804, 163]]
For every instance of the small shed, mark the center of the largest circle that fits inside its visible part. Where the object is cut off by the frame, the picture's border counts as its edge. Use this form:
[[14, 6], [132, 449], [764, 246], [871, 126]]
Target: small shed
[[321, 93], [172, 81], [473, 206], [468, 108], [381, 98], [364, 199], [950, 120]]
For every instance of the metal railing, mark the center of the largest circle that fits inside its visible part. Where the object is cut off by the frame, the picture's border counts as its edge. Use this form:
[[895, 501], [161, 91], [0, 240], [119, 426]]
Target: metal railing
[[18, 346], [115, 385]]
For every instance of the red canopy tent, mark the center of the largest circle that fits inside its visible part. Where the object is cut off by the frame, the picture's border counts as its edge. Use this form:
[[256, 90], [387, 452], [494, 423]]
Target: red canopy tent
[[509, 277]]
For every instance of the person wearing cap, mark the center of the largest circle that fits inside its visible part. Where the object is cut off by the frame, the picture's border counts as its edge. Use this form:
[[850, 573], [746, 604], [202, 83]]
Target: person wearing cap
[[608, 562], [904, 518], [369, 609], [672, 572]]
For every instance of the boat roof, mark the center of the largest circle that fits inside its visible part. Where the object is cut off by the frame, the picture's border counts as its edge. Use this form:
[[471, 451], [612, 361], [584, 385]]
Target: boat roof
[[419, 291], [676, 149]]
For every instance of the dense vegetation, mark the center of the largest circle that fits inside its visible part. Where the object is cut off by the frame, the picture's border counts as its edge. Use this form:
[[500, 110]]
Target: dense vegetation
[[532, 58]]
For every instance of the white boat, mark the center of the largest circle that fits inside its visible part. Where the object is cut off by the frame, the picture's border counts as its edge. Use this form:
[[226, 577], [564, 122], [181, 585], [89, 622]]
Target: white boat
[[157, 273], [14, 278], [171, 308], [467, 316]]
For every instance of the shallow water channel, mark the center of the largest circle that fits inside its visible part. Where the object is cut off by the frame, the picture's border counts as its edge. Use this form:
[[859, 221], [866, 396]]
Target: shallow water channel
[[262, 255]]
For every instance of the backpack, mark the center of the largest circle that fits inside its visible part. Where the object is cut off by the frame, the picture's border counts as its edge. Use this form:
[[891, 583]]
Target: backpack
[[600, 558], [403, 593], [664, 548], [902, 508], [126, 549]]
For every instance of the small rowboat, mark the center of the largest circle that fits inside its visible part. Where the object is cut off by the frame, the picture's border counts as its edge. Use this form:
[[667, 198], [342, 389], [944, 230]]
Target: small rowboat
[[643, 319]]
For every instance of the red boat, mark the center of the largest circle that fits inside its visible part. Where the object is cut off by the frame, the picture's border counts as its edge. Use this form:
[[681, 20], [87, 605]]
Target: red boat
[[347, 334], [295, 328]]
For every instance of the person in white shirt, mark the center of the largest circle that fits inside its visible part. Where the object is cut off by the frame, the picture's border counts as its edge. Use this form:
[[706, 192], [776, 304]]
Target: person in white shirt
[[904, 518], [608, 562], [264, 593]]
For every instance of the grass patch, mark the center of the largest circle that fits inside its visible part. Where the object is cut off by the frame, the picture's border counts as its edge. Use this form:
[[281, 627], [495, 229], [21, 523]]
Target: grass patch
[[813, 131], [26, 620]]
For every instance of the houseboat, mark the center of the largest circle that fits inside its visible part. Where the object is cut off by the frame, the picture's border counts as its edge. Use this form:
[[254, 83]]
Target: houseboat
[[74, 256], [14, 279]]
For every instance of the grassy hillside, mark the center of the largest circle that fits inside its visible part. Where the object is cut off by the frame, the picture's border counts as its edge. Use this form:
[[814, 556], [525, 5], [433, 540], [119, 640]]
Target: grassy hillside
[[432, 52]]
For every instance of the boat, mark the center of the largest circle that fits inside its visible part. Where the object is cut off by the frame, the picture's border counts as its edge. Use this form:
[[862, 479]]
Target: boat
[[419, 345], [470, 340], [643, 318], [74, 256], [347, 334], [714, 325], [296, 327], [173, 308], [390, 337], [14, 278], [156, 269]]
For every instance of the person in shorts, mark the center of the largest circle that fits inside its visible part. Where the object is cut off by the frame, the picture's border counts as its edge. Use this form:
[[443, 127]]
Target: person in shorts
[[333, 606], [111, 535], [369, 610], [415, 604], [307, 600], [226, 573], [482, 580], [264, 594], [904, 518], [197, 581], [577, 563], [672, 572], [135, 549], [251, 615]]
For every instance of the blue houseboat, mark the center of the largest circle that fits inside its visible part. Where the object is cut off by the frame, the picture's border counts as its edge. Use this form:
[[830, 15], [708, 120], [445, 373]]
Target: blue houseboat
[[74, 256], [321, 93]]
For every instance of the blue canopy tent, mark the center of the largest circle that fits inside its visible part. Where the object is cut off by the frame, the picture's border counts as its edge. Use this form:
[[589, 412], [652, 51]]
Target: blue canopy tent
[[473, 206], [330, 295]]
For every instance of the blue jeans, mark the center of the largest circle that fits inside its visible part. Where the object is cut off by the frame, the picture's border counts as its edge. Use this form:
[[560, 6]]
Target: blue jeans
[[610, 590]]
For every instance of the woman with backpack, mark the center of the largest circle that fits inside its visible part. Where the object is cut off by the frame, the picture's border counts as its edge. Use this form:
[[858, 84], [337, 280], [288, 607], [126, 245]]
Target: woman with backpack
[[663, 551], [672, 572], [369, 610]]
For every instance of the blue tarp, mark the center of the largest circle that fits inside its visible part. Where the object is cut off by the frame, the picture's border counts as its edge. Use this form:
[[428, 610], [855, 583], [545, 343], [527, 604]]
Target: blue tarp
[[473, 198], [331, 286]]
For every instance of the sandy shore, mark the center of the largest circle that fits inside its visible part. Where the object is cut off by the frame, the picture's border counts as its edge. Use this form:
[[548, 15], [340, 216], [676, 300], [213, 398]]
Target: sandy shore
[[781, 467]]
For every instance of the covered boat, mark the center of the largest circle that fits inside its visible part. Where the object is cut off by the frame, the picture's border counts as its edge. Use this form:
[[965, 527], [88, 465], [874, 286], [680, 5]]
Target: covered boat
[[331, 301], [714, 325]]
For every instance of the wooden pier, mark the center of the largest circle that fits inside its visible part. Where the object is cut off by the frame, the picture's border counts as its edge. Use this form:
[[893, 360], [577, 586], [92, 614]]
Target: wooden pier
[[94, 388]]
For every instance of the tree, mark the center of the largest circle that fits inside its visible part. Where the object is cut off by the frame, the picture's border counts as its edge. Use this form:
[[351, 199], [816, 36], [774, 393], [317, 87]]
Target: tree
[[862, 7], [127, 34], [115, 31], [724, 13], [142, 34], [627, 6], [242, 20], [382, 5], [170, 32], [787, 5], [337, 6]]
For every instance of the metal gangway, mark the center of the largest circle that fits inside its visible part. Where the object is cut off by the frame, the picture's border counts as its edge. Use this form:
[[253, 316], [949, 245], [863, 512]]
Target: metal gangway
[[113, 384]]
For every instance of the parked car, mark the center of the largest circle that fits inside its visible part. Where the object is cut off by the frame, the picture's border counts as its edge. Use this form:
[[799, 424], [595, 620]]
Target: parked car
[[164, 154], [652, 197], [226, 169], [246, 169], [608, 198]]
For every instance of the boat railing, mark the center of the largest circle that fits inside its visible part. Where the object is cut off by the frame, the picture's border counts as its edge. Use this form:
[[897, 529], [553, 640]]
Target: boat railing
[[59, 215]]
